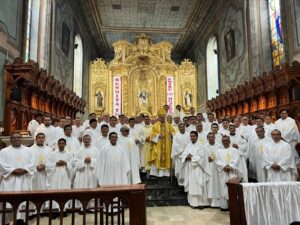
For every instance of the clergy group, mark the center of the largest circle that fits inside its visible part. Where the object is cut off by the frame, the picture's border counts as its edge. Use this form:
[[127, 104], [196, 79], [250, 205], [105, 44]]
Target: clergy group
[[202, 152]]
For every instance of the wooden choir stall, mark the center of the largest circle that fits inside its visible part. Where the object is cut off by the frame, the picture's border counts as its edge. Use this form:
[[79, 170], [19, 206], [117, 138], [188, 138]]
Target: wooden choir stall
[[30, 89], [264, 95]]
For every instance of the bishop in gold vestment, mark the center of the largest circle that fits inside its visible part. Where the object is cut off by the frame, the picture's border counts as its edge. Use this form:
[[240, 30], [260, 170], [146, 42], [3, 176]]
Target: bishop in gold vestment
[[161, 137]]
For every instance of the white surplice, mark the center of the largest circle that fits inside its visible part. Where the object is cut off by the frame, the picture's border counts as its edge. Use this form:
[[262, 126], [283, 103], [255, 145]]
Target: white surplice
[[112, 166], [243, 152], [84, 173], [256, 152], [202, 137], [180, 141], [32, 126], [77, 131], [51, 135], [289, 132], [93, 133], [268, 129], [132, 153], [226, 157], [196, 174], [214, 180], [12, 158], [282, 154], [41, 179]]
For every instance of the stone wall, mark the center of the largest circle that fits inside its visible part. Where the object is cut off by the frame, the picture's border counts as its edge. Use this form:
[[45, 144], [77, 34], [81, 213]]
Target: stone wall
[[10, 38], [68, 13]]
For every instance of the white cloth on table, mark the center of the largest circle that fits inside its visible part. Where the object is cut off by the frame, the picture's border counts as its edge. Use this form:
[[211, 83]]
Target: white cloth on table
[[272, 203]]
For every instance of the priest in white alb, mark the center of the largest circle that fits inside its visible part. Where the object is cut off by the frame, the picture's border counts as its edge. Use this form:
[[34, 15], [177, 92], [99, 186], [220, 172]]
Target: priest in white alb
[[92, 131], [42, 154], [102, 139], [85, 162], [113, 165], [62, 169], [240, 144], [289, 131], [132, 152], [213, 183], [256, 152], [50, 132], [227, 162], [195, 164], [17, 166], [180, 141], [278, 160]]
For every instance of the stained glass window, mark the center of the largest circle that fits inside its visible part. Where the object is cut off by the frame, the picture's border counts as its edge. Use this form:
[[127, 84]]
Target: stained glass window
[[276, 32], [212, 68]]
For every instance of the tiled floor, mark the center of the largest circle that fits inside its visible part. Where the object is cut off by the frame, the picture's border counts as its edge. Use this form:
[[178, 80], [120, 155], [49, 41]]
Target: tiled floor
[[171, 215]]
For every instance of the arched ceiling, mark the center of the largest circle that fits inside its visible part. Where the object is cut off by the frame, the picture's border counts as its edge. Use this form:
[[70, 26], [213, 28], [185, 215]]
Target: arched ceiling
[[176, 21]]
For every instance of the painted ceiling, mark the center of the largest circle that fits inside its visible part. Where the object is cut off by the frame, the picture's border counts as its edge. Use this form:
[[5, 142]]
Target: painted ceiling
[[176, 21]]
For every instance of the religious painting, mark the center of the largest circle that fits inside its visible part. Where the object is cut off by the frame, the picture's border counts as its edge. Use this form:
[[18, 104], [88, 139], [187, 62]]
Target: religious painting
[[65, 38], [230, 45], [188, 98], [143, 97]]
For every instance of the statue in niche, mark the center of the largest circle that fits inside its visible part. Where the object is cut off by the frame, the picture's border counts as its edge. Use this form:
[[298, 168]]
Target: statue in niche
[[143, 97], [188, 98], [99, 100]]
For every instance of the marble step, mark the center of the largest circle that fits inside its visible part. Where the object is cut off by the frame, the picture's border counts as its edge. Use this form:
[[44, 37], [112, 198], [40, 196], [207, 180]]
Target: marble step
[[164, 191]]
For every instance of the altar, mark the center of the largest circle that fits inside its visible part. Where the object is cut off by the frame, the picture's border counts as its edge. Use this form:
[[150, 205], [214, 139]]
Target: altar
[[141, 79]]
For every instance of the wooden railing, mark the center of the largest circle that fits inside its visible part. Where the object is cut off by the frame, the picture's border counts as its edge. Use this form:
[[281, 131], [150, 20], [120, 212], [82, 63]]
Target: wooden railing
[[236, 202], [110, 205]]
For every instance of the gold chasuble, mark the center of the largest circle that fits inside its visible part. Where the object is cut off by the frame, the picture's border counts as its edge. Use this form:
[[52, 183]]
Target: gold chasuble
[[161, 148]]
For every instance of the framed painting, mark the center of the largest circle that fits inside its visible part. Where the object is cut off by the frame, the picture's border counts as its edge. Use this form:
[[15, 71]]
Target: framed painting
[[230, 45], [65, 44]]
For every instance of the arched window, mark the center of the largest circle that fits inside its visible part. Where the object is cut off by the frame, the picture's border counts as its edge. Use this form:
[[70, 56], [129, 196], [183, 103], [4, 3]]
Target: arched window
[[276, 32], [37, 43], [78, 63], [212, 68]]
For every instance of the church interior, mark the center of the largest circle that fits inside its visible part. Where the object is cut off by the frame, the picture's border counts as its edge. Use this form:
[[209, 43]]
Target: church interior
[[105, 63]]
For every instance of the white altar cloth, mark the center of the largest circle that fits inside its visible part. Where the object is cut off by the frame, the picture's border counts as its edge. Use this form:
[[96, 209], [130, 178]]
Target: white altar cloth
[[272, 203]]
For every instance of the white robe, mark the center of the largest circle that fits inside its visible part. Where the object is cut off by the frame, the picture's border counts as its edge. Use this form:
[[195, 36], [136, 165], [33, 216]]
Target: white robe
[[51, 135], [196, 174], [180, 141], [113, 166], [268, 129], [202, 137], [72, 145], [190, 128], [12, 158], [32, 126], [224, 131], [61, 175], [244, 131], [243, 152], [256, 151], [227, 156], [77, 131], [41, 179], [100, 143], [114, 129], [282, 154], [289, 132], [84, 173], [132, 153], [213, 182], [94, 134]]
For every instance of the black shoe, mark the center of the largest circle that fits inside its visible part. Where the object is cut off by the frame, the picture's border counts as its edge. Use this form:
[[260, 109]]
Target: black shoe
[[201, 207]]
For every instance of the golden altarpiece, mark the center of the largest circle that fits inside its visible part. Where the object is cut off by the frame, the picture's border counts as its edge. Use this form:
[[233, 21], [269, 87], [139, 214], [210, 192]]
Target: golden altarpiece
[[141, 79]]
